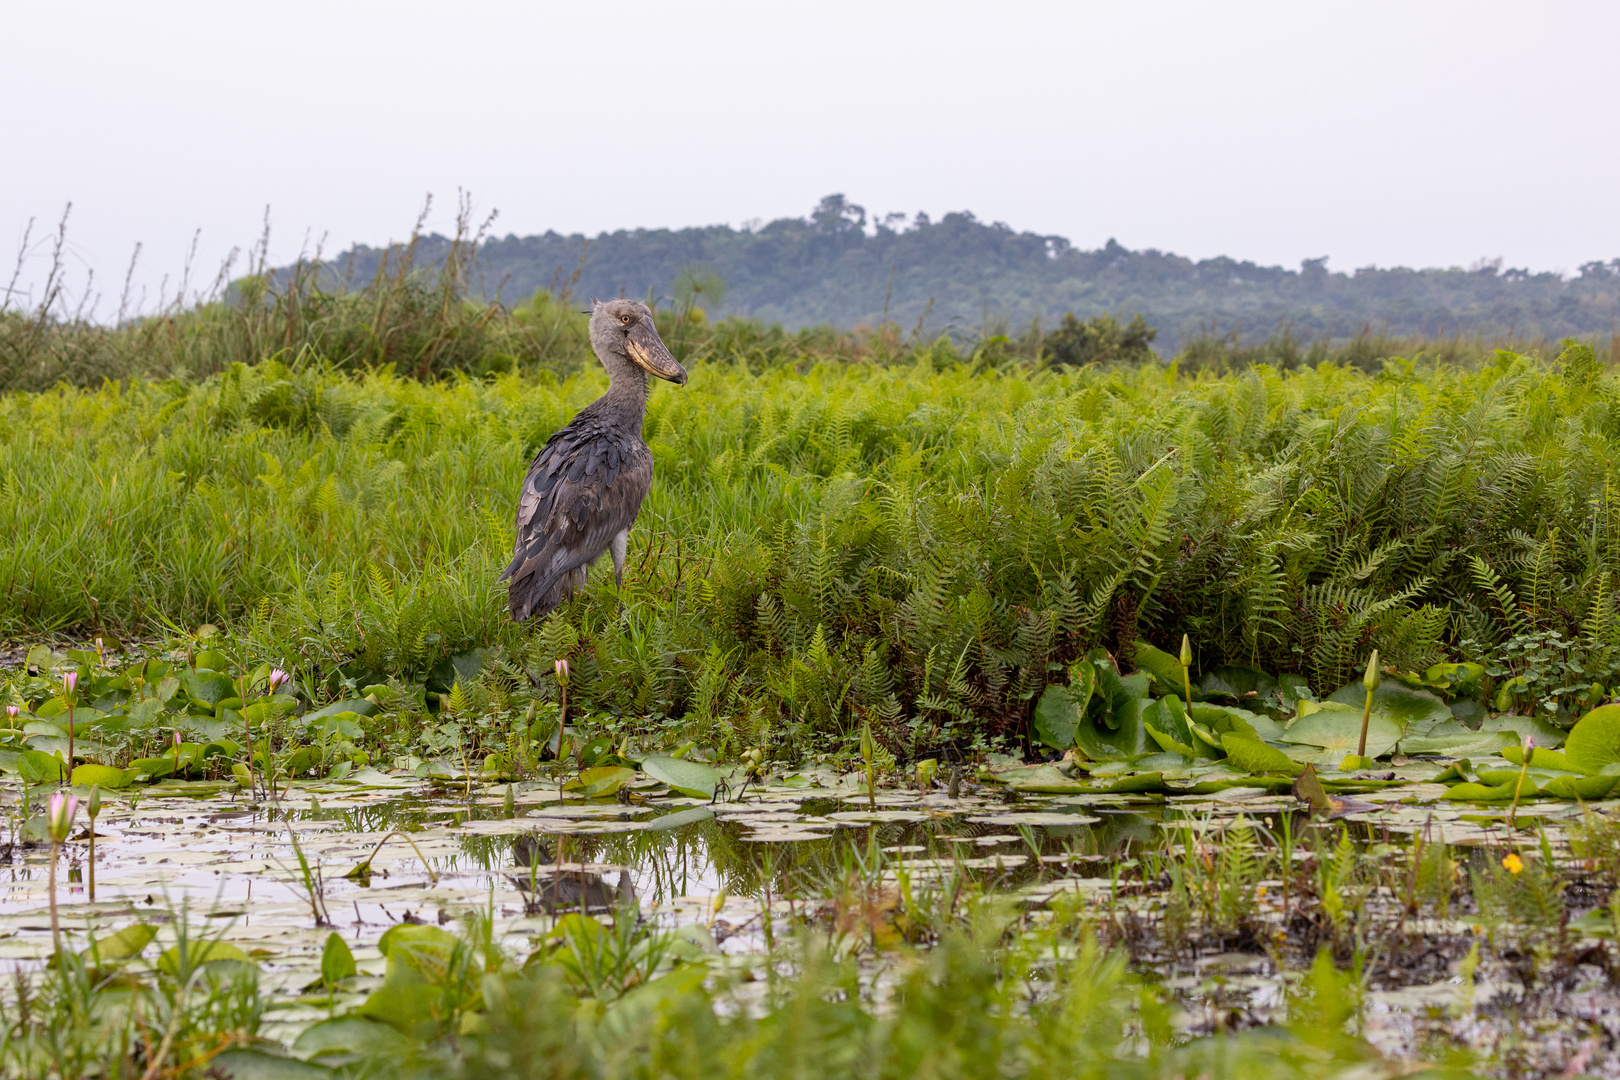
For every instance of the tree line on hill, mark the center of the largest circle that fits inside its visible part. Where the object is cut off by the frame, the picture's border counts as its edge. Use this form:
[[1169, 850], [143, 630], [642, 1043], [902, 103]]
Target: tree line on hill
[[960, 275]]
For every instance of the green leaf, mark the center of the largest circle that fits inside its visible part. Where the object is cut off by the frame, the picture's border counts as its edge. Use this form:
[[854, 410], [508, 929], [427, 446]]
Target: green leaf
[[1252, 755], [1336, 728], [353, 1037], [212, 660], [1594, 741], [124, 945], [1481, 793], [1583, 788], [690, 816], [602, 781], [1308, 788], [1224, 719], [1454, 679], [1062, 709], [1540, 758], [337, 962], [1451, 738], [207, 687], [257, 1065], [359, 706], [1168, 743], [38, 767], [1164, 668], [105, 775], [1535, 727], [199, 953], [414, 936], [692, 778], [1401, 705], [1234, 681]]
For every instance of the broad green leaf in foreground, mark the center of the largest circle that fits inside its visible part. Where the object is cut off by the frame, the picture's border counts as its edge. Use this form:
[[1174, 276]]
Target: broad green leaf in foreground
[[1594, 741]]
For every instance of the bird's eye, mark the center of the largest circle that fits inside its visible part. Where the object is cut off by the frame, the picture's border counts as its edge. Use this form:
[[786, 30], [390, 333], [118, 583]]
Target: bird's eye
[[626, 319]]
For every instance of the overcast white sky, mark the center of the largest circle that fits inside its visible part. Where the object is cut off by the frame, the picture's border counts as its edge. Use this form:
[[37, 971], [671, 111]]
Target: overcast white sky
[[1413, 133]]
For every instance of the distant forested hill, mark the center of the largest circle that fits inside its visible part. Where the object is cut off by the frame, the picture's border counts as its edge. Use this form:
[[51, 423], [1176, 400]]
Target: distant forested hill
[[837, 267]]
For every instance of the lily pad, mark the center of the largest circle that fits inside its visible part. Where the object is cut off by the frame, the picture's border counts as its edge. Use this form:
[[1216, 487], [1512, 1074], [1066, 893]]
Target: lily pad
[[678, 819], [1584, 788], [1402, 705], [601, 781], [1336, 729], [692, 778], [1451, 738], [1595, 740], [199, 953], [91, 775]]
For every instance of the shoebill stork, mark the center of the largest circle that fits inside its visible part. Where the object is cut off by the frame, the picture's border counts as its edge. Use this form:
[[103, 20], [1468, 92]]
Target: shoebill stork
[[585, 487]]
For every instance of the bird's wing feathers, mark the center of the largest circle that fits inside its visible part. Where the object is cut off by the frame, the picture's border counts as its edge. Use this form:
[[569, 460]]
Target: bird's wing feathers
[[584, 488]]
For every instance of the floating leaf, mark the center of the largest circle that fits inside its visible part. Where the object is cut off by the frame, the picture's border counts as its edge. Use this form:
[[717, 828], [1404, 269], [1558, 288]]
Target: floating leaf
[[1452, 738], [1594, 741], [1482, 792], [353, 1037], [1540, 758], [689, 816], [1252, 755], [199, 953], [603, 781], [358, 706], [1584, 788], [1401, 705], [257, 1065], [1336, 729], [126, 944], [105, 776], [691, 778]]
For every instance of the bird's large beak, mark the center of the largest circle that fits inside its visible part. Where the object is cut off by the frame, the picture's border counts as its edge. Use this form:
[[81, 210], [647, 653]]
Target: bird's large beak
[[647, 350]]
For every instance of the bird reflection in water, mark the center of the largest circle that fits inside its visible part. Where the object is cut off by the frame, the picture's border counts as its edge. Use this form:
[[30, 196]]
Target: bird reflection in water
[[548, 888]]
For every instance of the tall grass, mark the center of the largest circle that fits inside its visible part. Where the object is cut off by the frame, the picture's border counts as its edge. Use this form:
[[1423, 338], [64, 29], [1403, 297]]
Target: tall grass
[[829, 542]]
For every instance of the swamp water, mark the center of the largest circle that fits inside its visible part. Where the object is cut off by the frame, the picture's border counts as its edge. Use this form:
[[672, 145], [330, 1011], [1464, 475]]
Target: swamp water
[[276, 878]]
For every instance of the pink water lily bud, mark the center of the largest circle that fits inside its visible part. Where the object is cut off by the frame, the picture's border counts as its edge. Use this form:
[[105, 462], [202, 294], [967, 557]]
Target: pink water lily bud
[[59, 818], [11, 712], [278, 679], [177, 740], [70, 681], [562, 672]]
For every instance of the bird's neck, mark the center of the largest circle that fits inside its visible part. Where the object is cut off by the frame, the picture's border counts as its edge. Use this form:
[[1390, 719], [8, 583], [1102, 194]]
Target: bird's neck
[[627, 395]]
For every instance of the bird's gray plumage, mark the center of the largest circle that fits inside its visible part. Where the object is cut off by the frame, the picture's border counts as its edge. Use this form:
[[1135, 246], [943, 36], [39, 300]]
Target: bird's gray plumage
[[586, 485]]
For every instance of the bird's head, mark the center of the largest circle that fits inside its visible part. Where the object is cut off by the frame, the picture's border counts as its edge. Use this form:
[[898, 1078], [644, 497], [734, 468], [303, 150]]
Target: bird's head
[[624, 328]]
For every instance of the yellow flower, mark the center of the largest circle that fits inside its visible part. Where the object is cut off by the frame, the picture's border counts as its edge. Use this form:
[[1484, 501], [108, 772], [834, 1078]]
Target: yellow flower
[[1260, 893], [1513, 863]]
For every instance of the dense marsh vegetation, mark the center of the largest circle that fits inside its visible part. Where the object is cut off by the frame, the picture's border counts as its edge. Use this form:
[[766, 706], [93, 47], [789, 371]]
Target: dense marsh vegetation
[[882, 551], [913, 542]]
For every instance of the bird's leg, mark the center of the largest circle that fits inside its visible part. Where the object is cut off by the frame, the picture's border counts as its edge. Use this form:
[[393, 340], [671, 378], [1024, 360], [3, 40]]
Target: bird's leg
[[619, 546]]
